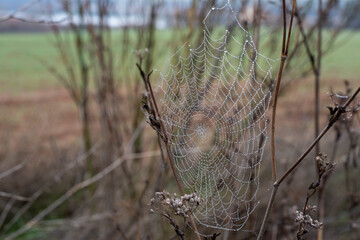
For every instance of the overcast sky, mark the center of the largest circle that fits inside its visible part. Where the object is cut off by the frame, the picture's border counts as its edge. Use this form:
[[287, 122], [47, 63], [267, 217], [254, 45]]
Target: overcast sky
[[16, 4]]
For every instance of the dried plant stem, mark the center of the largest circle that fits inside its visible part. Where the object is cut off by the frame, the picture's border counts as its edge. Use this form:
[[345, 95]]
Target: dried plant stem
[[14, 196], [284, 52], [170, 156], [6, 210], [340, 110], [321, 201], [273, 117], [316, 71], [277, 88], [12, 170], [267, 212], [305, 40], [308, 196], [148, 87], [146, 79], [317, 76], [166, 139]]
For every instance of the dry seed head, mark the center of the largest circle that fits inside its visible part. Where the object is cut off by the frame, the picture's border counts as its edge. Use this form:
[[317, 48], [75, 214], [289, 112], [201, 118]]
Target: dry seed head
[[310, 208], [182, 206], [307, 220], [323, 165]]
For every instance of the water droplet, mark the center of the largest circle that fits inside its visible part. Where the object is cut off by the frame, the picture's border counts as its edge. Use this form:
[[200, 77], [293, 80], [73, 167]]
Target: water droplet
[[212, 8]]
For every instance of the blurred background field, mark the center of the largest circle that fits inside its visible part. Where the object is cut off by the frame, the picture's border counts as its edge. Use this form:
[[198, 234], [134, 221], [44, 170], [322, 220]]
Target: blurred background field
[[25, 72], [53, 140]]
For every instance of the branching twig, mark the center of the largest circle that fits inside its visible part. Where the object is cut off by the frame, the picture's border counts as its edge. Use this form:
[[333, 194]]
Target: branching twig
[[339, 110], [324, 168]]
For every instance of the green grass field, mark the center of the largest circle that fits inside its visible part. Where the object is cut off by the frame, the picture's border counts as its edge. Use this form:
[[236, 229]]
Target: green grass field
[[20, 71], [343, 61]]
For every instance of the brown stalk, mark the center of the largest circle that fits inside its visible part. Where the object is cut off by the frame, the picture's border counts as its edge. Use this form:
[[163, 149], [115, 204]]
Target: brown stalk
[[146, 78], [321, 201], [311, 31], [317, 76], [284, 51]]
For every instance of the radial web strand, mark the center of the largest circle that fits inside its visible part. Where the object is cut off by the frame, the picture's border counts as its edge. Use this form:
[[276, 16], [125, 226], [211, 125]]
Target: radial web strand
[[213, 105]]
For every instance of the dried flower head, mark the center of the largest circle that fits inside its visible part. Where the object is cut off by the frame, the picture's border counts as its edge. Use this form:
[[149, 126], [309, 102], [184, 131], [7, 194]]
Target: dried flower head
[[182, 206], [310, 208], [324, 166], [307, 220]]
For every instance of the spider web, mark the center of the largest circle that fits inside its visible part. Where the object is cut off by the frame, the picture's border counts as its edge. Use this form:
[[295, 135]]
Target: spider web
[[213, 108]]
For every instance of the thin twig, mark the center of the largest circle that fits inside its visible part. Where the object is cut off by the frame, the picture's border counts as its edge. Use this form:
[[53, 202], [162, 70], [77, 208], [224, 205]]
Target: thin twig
[[172, 223], [6, 210], [317, 76], [12, 170], [14, 196], [334, 118], [331, 122], [321, 202], [305, 40]]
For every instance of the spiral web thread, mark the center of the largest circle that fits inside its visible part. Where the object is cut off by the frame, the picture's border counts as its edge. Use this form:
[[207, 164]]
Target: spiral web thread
[[213, 108]]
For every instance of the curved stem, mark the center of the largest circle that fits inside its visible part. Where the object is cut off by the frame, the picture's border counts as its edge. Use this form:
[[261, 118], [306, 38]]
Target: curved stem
[[284, 51], [163, 130]]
